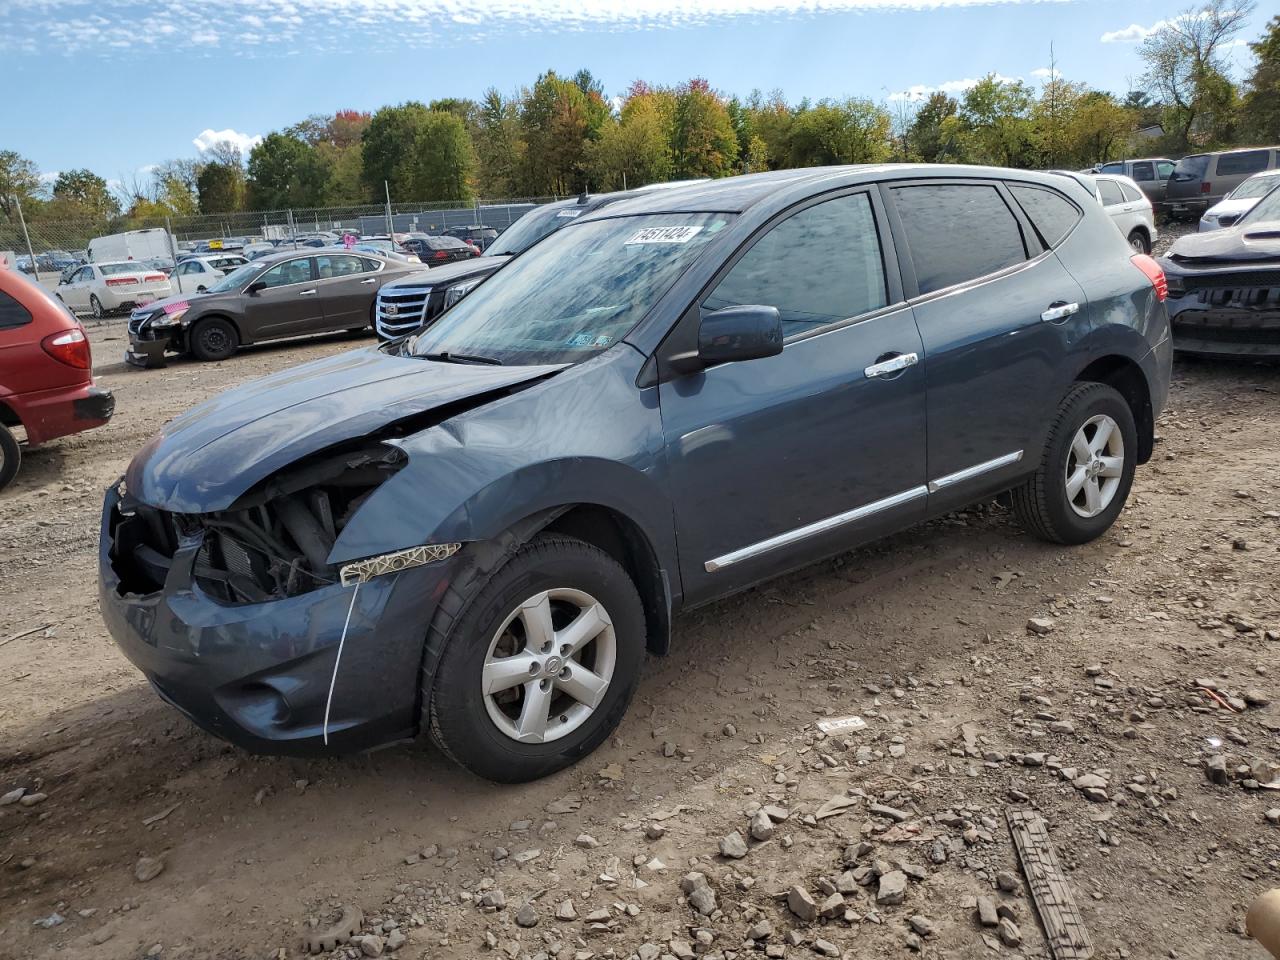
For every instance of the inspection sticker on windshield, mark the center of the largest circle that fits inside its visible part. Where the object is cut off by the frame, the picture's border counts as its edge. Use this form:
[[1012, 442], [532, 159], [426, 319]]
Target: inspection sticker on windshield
[[569, 213], [663, 235]]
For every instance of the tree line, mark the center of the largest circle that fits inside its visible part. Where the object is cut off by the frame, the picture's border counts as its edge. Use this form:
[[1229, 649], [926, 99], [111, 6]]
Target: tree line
[[563, 135]]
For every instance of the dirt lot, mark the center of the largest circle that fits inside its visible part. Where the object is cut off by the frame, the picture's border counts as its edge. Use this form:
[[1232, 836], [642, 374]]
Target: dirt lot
[[926, 636]]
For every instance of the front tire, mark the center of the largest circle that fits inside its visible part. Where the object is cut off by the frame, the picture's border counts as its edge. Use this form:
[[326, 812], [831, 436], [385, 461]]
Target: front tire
[[214, 339], [539, 664], [96, 306], [1086, 468], [10, 456]]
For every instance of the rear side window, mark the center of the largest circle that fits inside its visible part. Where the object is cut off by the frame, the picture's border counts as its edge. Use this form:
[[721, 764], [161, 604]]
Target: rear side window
[[1131, 194], [1250, 161], [1110, 191], [1052, 214], [958, 232], [1164, 168], [12, 313], [819, 266], [1144, 171]]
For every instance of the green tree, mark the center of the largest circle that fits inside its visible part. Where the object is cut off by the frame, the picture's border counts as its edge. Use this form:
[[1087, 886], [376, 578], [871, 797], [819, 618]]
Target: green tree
[[1187, 71], [929, 137], [498, 145], [703, 141], [830, 132], [996, 119], [442, 162], [633, 150], [285, 172], [19, 179], [386, 145], [1260, 113], [221, 188], [555, 124], [84, 193]]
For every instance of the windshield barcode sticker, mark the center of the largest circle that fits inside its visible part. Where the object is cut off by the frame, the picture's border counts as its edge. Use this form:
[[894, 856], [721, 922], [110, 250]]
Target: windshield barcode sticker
[[663, 235], [569, 213]]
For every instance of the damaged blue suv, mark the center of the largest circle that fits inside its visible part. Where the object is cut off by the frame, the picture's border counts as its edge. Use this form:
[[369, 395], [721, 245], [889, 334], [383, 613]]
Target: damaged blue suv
[[478, 531]]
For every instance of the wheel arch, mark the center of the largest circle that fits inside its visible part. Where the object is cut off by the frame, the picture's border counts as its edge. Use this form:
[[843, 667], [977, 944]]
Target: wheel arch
[[1124, 374], [218, 315], [8, 416]]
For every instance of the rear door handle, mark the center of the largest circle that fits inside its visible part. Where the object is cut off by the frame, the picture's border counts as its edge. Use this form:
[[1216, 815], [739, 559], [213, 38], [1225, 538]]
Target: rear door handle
[[307, 293], [894, 364], [1059, 311]]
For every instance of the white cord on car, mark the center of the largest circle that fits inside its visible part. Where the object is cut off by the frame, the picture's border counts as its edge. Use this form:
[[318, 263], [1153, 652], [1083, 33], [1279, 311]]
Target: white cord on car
[[334, 679]]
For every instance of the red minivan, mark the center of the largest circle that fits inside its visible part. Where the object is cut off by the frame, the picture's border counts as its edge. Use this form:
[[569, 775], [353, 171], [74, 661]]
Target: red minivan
[[46, 371]]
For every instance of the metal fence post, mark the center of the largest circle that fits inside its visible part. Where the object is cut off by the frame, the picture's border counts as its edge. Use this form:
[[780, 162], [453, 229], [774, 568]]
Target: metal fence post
[[173, 252], [26, 236], [390, 226]]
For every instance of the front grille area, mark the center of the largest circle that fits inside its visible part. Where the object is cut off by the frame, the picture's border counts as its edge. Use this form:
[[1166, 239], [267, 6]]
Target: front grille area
[[137, 317], [143, 542], [1231, 281], [401, 310]]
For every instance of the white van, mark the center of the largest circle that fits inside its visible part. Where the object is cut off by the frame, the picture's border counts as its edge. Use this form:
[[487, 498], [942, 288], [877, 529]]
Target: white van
[[132, 245]]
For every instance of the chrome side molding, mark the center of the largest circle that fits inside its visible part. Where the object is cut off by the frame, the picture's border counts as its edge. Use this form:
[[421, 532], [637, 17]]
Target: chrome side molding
[[977, 470]]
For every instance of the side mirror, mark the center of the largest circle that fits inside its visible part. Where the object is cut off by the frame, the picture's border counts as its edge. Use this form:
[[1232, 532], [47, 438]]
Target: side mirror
[[746, 332], [254, 287]]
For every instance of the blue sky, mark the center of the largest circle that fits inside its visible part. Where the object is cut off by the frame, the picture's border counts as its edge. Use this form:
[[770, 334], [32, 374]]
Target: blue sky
[[115, 85]]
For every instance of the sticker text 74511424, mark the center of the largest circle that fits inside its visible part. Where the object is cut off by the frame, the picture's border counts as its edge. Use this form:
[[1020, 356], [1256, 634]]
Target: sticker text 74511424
[[664, 235]]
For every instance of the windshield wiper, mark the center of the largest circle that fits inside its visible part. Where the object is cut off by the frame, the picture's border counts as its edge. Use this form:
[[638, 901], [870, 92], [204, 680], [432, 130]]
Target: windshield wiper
[[448, 357]]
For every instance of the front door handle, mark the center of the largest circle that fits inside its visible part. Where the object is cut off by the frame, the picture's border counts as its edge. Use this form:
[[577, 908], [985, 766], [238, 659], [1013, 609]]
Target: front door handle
[[894, 363], [1059, 311], [370, 280], [307, 293]]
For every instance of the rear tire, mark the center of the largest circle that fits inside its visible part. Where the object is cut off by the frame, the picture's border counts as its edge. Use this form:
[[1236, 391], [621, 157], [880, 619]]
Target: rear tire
[[1086, 468], [1139, 241], [213, 339], [565, 583], [10, 456]]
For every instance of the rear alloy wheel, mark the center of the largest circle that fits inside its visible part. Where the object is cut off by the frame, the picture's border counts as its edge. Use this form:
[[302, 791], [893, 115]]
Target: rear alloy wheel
[[1139, 242], [96, 306], [214, 339], [541, 664], [1086, 468], [10, 456]]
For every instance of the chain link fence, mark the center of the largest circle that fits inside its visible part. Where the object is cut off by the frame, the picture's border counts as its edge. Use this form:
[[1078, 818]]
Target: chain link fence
[[57, 245]]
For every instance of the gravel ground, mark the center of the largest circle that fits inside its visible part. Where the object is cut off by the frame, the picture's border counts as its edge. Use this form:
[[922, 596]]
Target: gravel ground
[[994, 673]]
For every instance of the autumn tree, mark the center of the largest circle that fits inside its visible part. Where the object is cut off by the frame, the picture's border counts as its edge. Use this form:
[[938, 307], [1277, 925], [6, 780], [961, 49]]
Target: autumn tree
[[931, 137], [703, 142], [19, 179], [833, 132], [221, 188], [996, 123], [633, 150], [1260, 110], [498, 145], [82, 193]]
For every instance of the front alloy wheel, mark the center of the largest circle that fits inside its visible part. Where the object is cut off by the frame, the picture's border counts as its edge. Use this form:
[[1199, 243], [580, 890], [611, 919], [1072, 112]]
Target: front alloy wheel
[[1095, 466], [549, 666], [540, 659]]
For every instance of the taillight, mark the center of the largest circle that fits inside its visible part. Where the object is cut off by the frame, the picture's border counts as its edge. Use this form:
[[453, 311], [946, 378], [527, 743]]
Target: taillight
[[1154, 273], [1206, 187], [153, 277], [441, 255], [70, 347], [120, 281]]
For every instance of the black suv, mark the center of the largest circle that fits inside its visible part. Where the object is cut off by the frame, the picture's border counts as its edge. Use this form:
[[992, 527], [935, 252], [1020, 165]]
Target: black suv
[[478, 235]]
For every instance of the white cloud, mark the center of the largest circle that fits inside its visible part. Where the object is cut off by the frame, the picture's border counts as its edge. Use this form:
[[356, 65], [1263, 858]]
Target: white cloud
[[1044, 73], [1132, 33], [922, 91], [207, 139], [71, 27], [49, 176]]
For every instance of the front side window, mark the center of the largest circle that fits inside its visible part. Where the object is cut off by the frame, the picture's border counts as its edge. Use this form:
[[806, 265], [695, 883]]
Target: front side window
[[1052, 214], [1250, 161], [1254, 187], [819, 266], [1113, 168], [958, 232], [1110, 191], [236, 278], [291, 271], [1164, 169], [546, 311]]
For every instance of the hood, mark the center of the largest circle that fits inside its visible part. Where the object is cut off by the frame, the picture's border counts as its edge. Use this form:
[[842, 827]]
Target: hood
[[1243, 242], [449, 273], [1232, 208], [203, 460], [183, 297]]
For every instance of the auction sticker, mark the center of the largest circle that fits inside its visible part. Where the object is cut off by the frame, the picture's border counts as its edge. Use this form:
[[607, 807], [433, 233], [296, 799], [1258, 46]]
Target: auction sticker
[[663, 235], [569, 214]]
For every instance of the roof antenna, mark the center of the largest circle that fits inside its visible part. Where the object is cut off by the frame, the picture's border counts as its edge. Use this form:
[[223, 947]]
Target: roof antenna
[[582, 197]]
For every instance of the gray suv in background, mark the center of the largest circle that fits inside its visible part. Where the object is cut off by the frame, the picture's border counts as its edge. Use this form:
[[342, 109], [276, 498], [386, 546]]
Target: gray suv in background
[[1151, 174], [479, 531], [1200, 180]]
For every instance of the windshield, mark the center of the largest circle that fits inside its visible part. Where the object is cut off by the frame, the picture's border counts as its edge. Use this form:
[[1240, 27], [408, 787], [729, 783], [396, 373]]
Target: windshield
[[236, 278], [1268, 208], [531, 228], [1192, 167], [1254, 187], [576, 294]]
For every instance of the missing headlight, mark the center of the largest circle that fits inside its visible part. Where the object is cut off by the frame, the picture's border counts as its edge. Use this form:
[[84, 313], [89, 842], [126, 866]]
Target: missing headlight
[[275, 541]]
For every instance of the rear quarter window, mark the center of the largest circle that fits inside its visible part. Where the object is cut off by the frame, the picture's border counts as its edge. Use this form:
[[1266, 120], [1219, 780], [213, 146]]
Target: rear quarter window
[[1052, 214], [1250, 161], [1110, 191], [1192, 167], [12, 313], [958, 232]]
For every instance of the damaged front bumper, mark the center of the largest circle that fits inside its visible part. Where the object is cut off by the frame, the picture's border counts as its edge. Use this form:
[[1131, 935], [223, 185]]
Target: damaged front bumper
[[1226, 315], [267, 676]]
